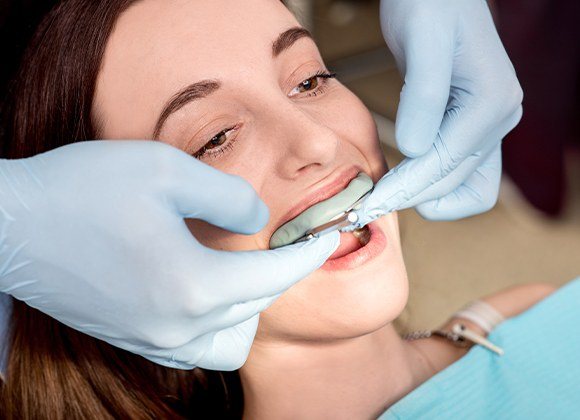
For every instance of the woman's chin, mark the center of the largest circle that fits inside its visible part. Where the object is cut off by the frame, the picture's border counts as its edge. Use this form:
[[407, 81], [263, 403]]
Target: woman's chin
[[333, 319], [349, 299]]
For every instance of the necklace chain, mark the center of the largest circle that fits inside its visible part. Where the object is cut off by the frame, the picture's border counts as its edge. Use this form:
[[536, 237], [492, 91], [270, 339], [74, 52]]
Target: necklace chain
[[448, 335], [460, 336]]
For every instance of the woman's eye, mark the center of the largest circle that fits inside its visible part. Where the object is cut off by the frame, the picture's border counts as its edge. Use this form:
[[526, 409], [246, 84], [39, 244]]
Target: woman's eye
[[216, 143], [313, 85], [217, 140], [308, 84]]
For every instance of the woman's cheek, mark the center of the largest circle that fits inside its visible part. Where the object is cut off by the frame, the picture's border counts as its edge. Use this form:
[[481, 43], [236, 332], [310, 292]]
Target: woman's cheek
[[363, 135]]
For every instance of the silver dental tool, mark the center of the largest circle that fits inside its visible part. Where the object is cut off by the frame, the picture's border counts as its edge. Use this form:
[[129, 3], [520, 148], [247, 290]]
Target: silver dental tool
[[343, 220]]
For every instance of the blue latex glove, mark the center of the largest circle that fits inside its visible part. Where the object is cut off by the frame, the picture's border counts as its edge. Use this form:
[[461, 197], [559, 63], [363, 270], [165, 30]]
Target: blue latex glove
[[93, 235], [460, 98]]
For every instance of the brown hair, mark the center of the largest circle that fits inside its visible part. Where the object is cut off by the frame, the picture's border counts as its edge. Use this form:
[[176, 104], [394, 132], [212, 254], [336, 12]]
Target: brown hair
[[55, 372]]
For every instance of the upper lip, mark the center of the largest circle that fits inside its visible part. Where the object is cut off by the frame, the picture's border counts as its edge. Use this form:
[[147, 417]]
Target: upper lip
[[328, 190]]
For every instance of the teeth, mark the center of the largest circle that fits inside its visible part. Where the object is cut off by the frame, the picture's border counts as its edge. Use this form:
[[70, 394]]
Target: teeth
[[363, 235]]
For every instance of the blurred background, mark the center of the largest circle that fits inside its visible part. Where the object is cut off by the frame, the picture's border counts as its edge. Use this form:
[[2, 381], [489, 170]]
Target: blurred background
[[533, 234]]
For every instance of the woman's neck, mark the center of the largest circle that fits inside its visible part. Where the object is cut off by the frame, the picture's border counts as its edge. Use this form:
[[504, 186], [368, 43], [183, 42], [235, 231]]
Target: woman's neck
[[354, 378]]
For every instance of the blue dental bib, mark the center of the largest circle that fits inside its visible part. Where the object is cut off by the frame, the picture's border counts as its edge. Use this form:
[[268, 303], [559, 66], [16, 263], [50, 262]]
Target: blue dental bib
[[537, 378]]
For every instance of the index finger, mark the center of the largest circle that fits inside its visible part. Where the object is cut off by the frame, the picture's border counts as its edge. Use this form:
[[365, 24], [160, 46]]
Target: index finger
[[400, 185], [463, 133], [251, 275]]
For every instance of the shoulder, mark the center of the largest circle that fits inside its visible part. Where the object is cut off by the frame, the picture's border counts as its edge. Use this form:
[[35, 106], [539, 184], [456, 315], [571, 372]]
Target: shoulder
[[507, 303], [517, 299]]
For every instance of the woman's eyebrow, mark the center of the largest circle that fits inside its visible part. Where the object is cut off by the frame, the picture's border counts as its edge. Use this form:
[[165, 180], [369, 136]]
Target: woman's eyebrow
[[287, 38], [205, 88], [188, 94]]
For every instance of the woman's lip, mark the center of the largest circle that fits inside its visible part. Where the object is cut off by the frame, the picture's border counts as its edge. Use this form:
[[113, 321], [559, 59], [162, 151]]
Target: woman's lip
[[338, 184], [375, 246]]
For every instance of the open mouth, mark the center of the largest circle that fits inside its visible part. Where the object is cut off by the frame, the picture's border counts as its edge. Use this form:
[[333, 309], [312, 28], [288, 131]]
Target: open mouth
[[322, 212], [357, 248], [351, 242]]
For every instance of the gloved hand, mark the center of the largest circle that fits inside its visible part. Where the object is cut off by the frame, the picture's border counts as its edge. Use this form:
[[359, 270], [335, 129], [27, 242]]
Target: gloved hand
[[460, 98], [93, 235]]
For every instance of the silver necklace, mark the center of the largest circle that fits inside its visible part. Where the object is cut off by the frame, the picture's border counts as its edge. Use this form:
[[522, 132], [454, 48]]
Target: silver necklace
[[459, 336]]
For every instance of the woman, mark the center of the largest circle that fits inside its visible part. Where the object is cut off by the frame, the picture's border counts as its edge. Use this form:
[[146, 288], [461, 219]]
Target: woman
[[241, 86]]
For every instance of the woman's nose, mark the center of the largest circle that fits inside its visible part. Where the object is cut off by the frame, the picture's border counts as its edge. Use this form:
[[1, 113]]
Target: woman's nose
[[307, 143]]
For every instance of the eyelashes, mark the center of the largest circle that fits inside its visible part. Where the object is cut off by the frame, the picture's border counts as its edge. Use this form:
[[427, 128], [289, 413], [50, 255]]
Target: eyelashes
[[314, 85], [218, 144], [224, 141]]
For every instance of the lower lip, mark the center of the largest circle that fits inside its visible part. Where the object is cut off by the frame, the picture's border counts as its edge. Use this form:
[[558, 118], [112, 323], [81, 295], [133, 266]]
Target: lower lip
[[374, 247]]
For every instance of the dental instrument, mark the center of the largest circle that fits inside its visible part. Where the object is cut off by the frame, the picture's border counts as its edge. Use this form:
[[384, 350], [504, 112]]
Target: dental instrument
[[334, 213], [344, 220]]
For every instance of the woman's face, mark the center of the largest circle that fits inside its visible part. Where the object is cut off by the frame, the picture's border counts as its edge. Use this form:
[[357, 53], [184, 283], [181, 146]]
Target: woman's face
[[255, 102]]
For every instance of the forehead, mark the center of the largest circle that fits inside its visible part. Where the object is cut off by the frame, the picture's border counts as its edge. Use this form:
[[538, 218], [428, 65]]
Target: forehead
[[157, 47]]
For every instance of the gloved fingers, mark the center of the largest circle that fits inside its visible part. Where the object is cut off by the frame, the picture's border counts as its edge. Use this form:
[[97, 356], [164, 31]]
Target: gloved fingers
[[230, 316], [414, 175], [253, 275], [450, 182], [477, 194], [167, 362], [429, 65], [199, 191], [231, 347], [400, 185], [470, 123], [224, 350], [458, 157], [513, 120], [184, 357], [207, 327]]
